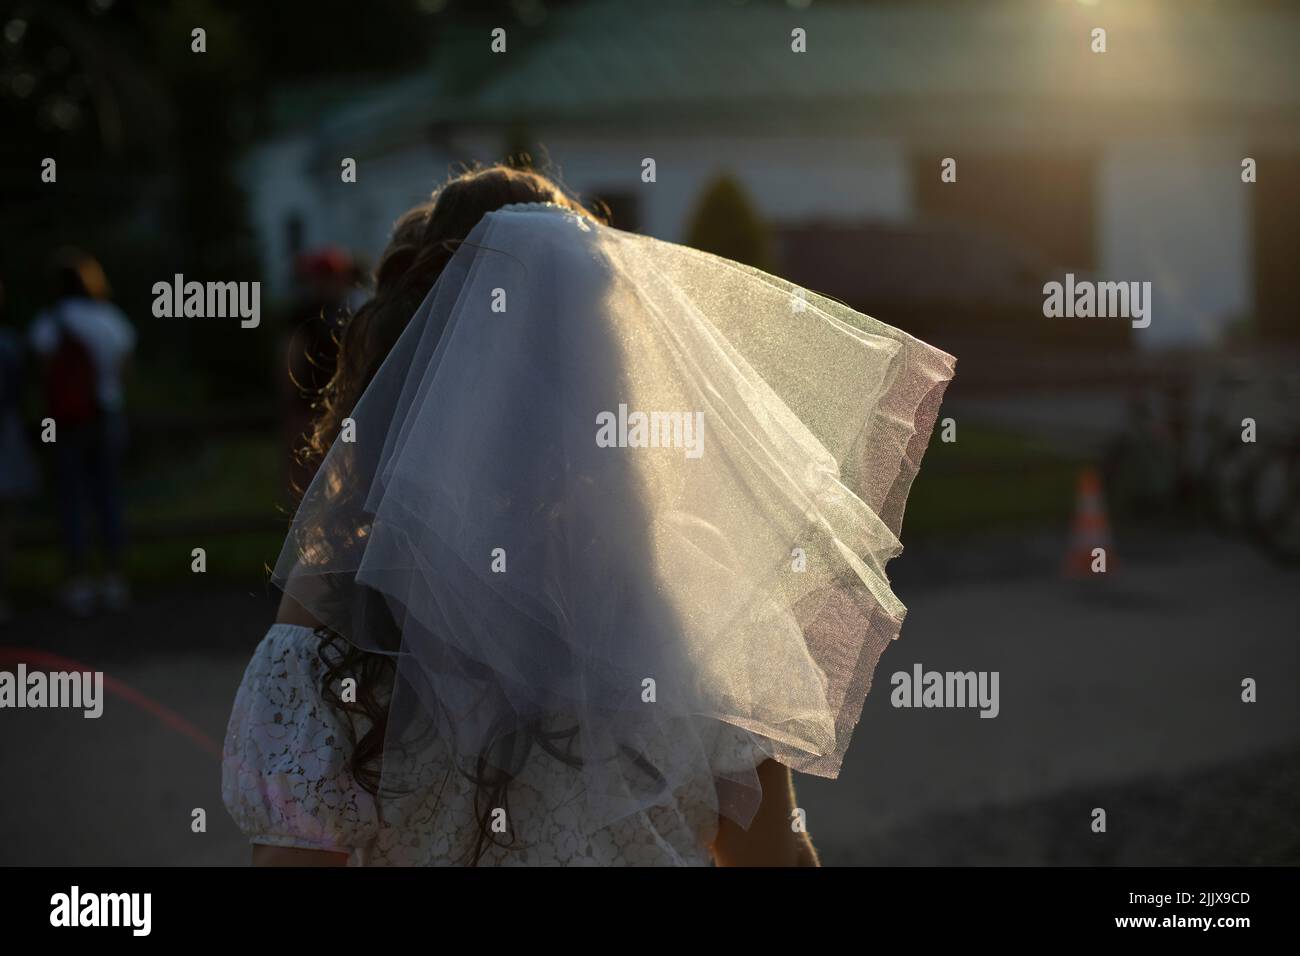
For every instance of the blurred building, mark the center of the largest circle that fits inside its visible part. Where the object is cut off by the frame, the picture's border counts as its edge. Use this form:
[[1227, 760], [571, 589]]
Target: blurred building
[[1124, 166]]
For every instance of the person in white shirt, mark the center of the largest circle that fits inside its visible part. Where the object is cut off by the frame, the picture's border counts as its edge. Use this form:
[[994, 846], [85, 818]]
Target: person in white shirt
[[85, 344]]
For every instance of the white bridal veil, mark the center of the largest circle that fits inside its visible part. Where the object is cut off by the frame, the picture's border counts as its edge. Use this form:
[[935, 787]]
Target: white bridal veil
[[621, 498]]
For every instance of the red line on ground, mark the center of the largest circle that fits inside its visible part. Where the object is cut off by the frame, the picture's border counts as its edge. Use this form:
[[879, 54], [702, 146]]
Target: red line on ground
[[175, 721]]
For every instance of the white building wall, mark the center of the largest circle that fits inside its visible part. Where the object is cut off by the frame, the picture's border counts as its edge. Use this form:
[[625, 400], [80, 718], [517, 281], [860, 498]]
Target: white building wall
[[361, 214], [275, 178], [828, 178], [1173, 212], [1176, 213], [831, 178], [287, 177]]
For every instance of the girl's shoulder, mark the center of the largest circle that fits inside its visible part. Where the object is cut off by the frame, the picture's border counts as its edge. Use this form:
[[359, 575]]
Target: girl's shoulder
[[286, 778], [289, 635], [283, 678], [289, 653]]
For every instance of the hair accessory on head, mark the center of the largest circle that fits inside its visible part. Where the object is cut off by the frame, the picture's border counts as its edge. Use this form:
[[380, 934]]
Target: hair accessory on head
[[535, 206]]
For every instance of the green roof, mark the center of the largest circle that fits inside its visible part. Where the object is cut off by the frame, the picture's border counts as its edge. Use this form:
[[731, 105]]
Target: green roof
[[603, 59], [719, 61]]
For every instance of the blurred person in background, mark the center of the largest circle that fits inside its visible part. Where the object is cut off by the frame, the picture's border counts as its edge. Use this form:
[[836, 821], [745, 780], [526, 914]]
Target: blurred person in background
[[18, 476], [85, 343]]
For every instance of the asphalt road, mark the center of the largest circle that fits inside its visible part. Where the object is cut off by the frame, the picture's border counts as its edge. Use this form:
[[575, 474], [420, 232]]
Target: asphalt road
[[1123, 693]]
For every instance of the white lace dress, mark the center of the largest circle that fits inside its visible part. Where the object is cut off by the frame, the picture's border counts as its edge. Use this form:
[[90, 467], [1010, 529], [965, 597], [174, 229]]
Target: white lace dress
[[286, 782]]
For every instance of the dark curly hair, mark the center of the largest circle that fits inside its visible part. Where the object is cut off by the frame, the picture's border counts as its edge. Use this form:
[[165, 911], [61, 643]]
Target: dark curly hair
[[423, 241]]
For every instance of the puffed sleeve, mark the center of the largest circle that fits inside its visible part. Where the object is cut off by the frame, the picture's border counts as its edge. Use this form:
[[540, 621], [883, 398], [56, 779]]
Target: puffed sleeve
[[285, 777]]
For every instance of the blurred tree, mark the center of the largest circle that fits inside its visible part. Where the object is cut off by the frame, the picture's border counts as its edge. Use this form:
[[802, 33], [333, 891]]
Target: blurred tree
[[147, 135], [726, 224]]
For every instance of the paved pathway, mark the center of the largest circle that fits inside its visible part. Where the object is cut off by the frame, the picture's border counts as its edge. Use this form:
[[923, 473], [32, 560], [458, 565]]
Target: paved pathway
[[1099, 686]]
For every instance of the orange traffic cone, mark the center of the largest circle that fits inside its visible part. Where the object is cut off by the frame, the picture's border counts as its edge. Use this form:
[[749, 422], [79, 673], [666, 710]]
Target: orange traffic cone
[[1090, 540]]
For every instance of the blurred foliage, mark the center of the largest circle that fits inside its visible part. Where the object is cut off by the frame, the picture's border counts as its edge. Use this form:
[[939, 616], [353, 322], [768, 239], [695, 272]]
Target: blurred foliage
[[236, 557], [147, 135], [204, 482], [726, 224], [990, 480], [223, 493], [226, 493]]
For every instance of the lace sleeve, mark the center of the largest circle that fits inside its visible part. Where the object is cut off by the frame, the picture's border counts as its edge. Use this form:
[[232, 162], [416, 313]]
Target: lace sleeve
[[285, 779]]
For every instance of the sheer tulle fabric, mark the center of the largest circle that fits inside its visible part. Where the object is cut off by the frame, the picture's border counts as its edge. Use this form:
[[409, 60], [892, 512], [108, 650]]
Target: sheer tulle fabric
[[622, 608]]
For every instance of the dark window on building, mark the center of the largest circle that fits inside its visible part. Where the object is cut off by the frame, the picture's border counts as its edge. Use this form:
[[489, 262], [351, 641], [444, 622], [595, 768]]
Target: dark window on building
[[1041, 201], [1276, 236]]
